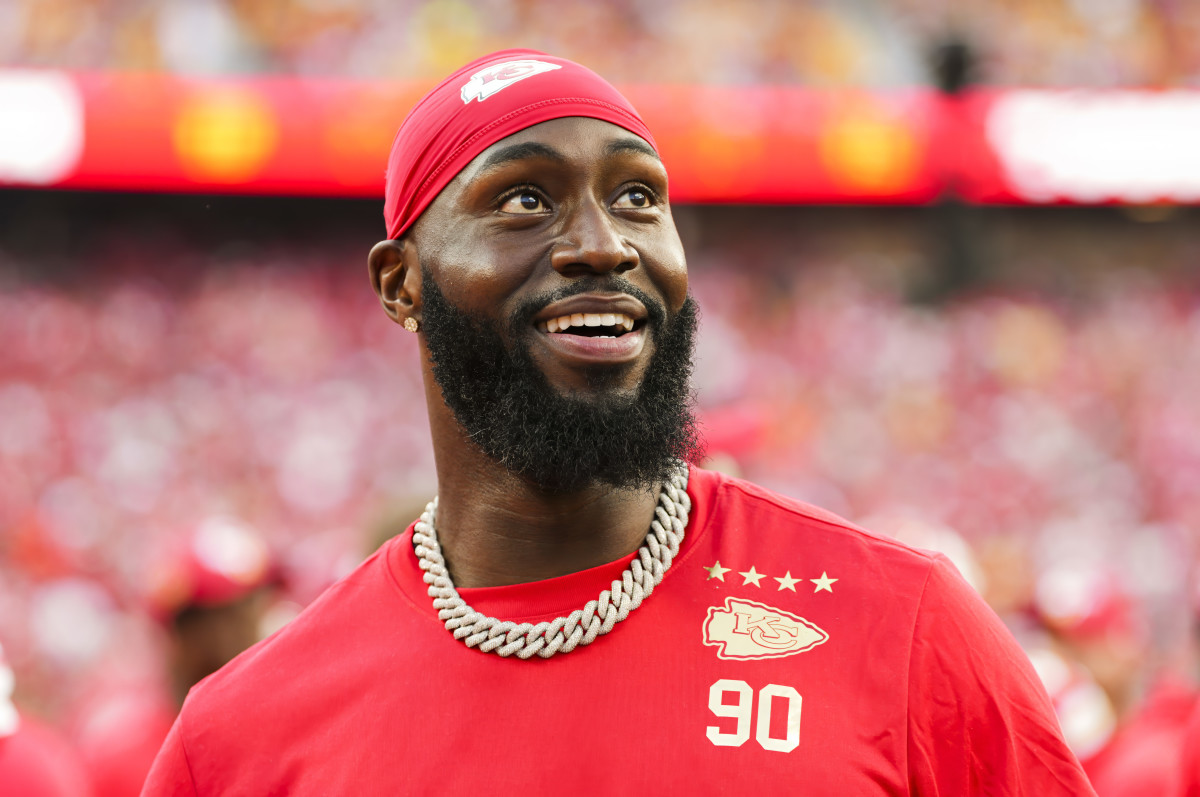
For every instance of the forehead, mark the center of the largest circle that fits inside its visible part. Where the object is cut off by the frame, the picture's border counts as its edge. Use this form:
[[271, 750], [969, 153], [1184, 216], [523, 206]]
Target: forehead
[[568, 140]]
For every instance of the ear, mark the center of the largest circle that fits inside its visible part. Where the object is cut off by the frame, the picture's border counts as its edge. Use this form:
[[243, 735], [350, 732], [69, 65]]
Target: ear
[[396, 277]]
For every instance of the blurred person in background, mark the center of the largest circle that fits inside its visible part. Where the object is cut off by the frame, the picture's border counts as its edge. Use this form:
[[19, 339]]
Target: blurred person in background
[[1143, 757], [35, 761], [1163, 748], [1188, 759], [211, 596], [1098, 625], [1010, 586], [527, 211], [214, 600]]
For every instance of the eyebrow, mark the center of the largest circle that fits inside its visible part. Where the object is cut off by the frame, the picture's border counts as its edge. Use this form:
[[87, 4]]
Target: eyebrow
[[533, 149], [624, 145], [518, 152]]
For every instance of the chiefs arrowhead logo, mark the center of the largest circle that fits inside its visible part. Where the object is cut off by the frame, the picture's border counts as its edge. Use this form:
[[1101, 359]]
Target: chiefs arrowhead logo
[[749, 630], [487, 82]]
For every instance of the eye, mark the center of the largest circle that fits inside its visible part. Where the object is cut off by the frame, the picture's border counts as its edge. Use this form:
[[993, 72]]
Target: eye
[[636, 197], [524, 202]]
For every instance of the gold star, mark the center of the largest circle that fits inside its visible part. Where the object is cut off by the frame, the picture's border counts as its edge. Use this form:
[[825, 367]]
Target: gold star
[[716, 571], [787, 582], [824, 582], [751, 575]]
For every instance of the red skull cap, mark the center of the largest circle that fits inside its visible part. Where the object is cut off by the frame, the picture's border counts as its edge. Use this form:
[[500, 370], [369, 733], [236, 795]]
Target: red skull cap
[[483, 102]]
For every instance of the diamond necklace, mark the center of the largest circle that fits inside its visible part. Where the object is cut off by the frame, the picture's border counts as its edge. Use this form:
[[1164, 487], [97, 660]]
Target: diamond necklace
[[580, 627]]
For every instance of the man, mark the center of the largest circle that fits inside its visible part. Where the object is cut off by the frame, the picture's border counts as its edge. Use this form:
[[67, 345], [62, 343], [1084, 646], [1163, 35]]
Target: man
[[210, 595], [578, 612]]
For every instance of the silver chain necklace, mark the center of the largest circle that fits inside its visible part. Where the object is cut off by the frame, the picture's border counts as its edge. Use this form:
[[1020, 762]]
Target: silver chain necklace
[[580, 627]]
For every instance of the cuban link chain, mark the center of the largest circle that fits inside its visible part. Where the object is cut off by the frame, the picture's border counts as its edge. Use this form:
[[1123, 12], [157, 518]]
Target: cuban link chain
[[580, 627]]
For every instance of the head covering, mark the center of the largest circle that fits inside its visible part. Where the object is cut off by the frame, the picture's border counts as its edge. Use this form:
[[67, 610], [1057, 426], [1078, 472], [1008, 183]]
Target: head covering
[[487, 100], [219, 561]]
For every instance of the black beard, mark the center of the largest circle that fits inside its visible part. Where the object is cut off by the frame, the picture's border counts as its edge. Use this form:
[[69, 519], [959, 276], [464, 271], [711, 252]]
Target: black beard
[[564, 442]]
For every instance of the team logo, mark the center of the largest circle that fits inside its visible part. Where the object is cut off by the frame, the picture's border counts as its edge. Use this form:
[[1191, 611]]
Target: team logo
[[749, 630], [487, 82]]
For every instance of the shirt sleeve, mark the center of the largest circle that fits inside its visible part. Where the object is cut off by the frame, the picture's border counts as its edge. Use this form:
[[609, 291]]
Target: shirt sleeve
[[171, 774], [980, 722]]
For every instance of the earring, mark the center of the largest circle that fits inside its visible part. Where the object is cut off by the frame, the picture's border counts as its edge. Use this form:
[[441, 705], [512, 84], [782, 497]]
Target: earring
[[411, 324]]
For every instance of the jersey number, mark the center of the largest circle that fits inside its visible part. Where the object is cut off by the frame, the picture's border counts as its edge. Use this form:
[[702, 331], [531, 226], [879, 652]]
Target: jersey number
[[742, 710]]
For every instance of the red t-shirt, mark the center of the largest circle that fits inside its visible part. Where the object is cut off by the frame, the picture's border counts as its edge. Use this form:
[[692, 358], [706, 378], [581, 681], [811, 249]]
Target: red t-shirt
[[784, 651]]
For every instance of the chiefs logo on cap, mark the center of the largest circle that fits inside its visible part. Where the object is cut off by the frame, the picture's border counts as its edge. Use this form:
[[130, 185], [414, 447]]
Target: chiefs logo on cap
[[749, 630], [487, 82]]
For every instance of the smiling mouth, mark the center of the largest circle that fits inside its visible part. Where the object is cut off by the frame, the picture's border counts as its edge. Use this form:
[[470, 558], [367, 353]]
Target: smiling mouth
[[591, 325]]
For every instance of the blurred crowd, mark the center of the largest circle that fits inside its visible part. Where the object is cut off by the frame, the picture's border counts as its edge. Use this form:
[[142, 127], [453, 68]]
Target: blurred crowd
[[244, 426], [873, 43]]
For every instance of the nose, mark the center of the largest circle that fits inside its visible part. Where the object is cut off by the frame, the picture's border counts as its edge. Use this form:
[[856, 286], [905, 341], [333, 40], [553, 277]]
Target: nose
[[591, 243]]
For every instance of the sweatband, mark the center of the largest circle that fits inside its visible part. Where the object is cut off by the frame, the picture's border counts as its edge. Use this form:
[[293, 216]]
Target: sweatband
[[487, 100]]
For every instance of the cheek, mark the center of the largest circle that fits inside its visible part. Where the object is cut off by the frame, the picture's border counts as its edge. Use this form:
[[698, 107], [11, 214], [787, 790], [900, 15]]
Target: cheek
[[474, 273], [669, 272]]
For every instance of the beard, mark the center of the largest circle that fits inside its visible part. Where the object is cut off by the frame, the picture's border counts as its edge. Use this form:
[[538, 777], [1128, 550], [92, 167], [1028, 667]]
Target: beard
[[561, 442]]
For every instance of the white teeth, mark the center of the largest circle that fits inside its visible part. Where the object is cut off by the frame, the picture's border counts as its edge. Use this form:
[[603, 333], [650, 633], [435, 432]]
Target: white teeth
[[565, 322]]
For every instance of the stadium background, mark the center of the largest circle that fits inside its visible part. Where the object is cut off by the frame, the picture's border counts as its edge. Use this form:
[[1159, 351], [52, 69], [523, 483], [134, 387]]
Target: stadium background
[[1003, 370]]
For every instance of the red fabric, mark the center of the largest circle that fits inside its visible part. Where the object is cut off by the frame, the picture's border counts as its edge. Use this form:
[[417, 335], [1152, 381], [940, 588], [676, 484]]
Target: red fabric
[[459, 119], [37, 762], [1143, 758], [119, 735], [917, 687], [1190, 756]]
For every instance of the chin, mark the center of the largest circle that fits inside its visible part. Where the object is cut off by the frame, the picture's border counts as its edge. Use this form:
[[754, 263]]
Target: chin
[[596, 383]]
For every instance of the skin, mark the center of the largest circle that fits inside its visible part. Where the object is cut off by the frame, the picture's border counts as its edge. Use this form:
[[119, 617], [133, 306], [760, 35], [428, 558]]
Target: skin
[[211, 637], [565, 200]]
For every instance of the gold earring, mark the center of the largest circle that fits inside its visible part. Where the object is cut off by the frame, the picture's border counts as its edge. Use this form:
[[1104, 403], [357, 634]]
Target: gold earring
[[411, 324]]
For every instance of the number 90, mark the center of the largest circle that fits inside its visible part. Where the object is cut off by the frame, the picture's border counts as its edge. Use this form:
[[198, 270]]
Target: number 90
[[742, 710]]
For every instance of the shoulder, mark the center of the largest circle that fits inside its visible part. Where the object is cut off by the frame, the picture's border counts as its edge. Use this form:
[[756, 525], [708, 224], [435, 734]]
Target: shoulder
[[255, 720], [736, 506], [749, 528]]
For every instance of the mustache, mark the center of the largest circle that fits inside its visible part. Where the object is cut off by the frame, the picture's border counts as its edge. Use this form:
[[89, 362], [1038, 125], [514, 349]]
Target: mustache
[[522, 317]]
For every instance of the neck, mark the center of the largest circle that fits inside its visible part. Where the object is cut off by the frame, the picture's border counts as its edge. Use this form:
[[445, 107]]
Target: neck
[[497, 529]]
